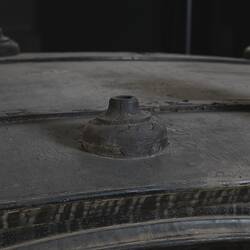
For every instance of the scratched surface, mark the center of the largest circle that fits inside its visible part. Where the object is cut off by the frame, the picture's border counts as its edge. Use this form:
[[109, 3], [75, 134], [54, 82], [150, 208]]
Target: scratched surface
[[44, 159], [63, 86], [200, 208]]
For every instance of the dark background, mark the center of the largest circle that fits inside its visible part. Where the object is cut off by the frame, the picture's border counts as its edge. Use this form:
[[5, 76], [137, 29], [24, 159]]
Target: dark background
[[219, 27]]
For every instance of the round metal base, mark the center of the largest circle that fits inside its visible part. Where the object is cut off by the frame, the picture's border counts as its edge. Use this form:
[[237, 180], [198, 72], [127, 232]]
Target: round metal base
[[124, 131]]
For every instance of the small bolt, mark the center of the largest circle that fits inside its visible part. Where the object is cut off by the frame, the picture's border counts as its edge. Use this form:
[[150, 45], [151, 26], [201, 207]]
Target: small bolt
[[246, 54], [8, 47], [3, 38]]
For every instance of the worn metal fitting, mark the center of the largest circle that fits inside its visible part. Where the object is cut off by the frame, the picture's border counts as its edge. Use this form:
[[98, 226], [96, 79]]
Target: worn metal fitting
[[247, 53], [124, 131], [8, 47]]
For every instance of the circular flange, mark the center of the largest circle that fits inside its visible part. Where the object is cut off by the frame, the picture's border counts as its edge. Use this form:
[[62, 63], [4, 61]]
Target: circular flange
[[124, 131], [8, 47]]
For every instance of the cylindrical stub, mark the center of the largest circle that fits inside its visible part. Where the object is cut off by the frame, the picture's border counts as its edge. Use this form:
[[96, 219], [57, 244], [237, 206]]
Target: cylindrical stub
[[123, 105], [124, 131], [8, 47]]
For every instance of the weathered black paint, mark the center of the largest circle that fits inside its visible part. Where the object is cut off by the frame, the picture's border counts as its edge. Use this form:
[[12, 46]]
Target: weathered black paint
[[30, 222], [29, 218], [124, 131]]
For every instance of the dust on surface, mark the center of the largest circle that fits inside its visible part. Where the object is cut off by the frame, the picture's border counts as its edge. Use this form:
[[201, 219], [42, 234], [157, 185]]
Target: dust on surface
[[179, 89]]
